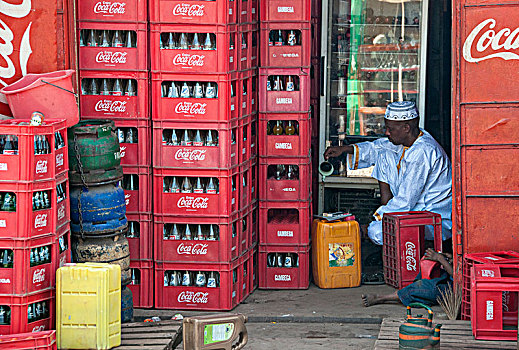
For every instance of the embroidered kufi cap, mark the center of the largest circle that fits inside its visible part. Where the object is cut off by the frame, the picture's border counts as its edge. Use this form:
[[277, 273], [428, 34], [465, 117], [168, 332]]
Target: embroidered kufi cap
[[401, 110]]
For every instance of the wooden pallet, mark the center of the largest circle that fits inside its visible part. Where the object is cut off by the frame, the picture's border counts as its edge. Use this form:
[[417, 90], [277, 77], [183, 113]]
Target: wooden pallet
[[453, 335], [147, 335]]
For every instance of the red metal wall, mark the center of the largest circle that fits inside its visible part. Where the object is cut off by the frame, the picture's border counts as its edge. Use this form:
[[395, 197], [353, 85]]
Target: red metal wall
[[485, 125]]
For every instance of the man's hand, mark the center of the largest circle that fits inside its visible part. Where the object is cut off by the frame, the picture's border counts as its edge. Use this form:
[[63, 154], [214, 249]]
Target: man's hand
[[336, 151], [431, 254]]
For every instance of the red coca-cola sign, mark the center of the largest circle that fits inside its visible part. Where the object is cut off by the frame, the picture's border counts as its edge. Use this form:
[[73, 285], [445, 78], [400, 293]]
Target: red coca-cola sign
[[192, 203], [110, 8], [189, 10], [111, 57], [193, 297], [110, 106], [192, 248], [191, 108], [188, 60], [187, 154]]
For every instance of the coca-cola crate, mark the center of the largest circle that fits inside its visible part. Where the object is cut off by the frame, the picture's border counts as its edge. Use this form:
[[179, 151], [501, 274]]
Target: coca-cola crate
[[315, 79], [316, 39], [130, 53], [254, 92], [19, 314], [294, 140], [223, 59], [285, 179], [62, 248], [254, 213], [224, 107], [254, 55], [142, 283], [255, 268], [224, 248], [247, 269], [222, 200], [223, 155], [138, 197], [63, 203], [284, 101], [245, 11], [284, 222], [45, 340], [140, 236], [21, 163], [20, 273], [281, 11], [253, 136], [225, 296], [244, 140], [247, 185], [132, 105], [194, 12], [23, 221], [249, 229], [113, 11], [136, 147], [247, 46], [292, 49], [274, 277], [248, 91]]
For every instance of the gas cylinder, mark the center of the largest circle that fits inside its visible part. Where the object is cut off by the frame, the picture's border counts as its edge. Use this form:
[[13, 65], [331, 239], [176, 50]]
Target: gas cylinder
[[112, 250], [103, 210], [94, 152], [126, 304], [418, 332]]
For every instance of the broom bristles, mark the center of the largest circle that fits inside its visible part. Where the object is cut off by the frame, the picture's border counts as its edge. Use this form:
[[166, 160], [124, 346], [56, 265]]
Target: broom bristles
[[450, 301]]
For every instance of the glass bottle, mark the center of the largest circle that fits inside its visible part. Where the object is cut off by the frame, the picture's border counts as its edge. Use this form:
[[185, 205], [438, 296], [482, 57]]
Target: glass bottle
[[292, 40], [186, 186], [198, 187], [197, 141], [184, 92], [186, 140], [278, 128], [290, 129], [196, 44], [211, 188]]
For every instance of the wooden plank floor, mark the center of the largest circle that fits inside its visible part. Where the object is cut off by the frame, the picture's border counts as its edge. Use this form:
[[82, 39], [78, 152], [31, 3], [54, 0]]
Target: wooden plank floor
[[147, 335], [453, 335]]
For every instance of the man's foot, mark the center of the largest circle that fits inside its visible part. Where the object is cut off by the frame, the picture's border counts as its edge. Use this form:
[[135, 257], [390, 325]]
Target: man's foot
[[370, 299]]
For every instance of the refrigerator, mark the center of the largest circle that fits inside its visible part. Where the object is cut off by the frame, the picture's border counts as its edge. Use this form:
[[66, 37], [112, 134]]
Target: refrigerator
[[373, 52]]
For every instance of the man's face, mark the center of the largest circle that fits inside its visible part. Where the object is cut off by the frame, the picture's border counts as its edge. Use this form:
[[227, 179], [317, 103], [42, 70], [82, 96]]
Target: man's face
[[396, 131]]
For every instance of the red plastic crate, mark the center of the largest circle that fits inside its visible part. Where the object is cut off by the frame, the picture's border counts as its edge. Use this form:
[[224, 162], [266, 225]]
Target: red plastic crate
[[284, 277], [63, 206], [115, 107], [245, 182], [225, 249], [254, 189], [27, 166], [254, 54], [247, 279], [281, 11], [63, 255], [282, 223], [194, 12], [26, 222], [221, 109], [297, 145], [254, 136], [469, 260], [244, 11], [224, 297], [222, 203], [22, 278], [286, 55], [254, 93], [113, 11], [315, 79], [244, 140], [284, 101], [254, 212], [244, 45], [221, 60], [142, 283], [19, 313], [244, 228], [297, 188], [224, 155], [114, 58], [140, 236], [404, 244], [45, 340], [494, 295], [255, 269], [138, 201]]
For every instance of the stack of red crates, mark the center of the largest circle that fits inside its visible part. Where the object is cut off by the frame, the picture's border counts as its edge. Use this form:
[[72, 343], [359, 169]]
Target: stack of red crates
[[114, 74], [284, 144], [34, 222], [204, 110]]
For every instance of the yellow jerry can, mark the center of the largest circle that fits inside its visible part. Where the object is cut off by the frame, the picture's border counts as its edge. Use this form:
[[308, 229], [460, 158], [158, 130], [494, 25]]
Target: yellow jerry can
[[88, 306], [336, 252]]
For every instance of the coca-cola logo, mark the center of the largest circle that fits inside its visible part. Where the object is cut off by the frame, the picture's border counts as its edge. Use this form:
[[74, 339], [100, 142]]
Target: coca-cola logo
[[41, 167], [482, 40], [127, 198], [61, 212], [111, 8], [190, 108], [189, 202], [38, 276], [190, 154], [40, 328], [192, 249], [122, 151], [410, 256], [185, 59], [110, 106], [40, 221], [59, 159], [188, 10], [111, 57], [192, 297]]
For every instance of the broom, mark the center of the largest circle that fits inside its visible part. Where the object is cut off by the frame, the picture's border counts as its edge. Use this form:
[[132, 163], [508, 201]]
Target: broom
[[450, 301]]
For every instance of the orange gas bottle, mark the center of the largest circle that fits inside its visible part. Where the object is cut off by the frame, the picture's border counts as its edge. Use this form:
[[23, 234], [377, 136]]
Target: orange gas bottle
[[336, 251]]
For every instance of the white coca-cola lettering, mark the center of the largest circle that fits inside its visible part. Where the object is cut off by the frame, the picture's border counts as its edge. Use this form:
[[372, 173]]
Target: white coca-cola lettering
[[110, 106], [38, 276], [493, 40], [192, 249], [40, 328], [410, 256], [192, 202], [111, 57], [40, 221], [188, 10], [122, 151], [59, 159], [112, 8], [127, 198], [192, 297], [487, 273], [185, 59], [41, 167], [61, 212], [190, 154], [190, 108]]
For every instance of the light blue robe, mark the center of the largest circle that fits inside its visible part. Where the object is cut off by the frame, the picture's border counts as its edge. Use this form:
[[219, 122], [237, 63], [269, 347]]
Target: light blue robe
[[420, 179]]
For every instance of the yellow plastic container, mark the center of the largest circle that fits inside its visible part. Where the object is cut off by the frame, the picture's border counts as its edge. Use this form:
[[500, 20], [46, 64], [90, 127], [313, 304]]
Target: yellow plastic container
[[88, 306], [336, 259]]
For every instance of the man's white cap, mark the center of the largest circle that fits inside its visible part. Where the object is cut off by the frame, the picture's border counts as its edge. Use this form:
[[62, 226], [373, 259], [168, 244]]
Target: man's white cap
[[401, 110]]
